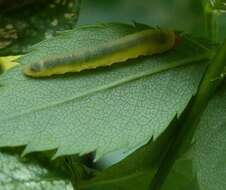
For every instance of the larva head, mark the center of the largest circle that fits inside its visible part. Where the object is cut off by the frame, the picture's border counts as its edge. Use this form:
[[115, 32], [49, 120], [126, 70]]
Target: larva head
[[172, 38], [161, 40], [169, 37]]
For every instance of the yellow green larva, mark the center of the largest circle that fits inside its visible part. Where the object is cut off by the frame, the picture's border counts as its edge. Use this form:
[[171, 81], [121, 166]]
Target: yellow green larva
[[146, 42]]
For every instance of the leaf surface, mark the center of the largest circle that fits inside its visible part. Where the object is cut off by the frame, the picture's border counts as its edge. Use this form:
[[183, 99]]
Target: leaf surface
[[182, 176], [139, 168], [209, 151], [100, 110], [207, 155], [134, 171]]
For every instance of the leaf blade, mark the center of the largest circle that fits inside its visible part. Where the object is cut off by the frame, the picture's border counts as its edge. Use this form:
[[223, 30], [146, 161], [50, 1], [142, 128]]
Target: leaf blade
[[90, 120]]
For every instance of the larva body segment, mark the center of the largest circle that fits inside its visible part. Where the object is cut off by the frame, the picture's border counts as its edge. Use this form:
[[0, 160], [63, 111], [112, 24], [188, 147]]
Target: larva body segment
[[147, 42]]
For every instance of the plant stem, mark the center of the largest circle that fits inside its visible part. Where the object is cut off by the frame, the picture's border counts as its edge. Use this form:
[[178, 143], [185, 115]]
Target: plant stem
[[215, 12], [211, 80]]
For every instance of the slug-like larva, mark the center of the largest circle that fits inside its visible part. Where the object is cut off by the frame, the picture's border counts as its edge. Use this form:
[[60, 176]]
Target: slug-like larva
[[146, 42]]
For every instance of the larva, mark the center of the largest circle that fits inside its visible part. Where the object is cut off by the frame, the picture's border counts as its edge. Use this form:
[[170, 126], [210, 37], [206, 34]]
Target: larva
[[146, 42]]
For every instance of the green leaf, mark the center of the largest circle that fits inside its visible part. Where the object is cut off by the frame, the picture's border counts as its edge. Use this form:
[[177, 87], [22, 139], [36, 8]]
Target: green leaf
[[25, 23], [139, 168], [132, 172], [100, 110], [136, 170], [189, 123], [182, 176], [209, 151], [21, 173]]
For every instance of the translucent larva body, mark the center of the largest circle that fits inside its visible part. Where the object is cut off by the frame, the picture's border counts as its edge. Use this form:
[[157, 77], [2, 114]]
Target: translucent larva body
[[146, 42]]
